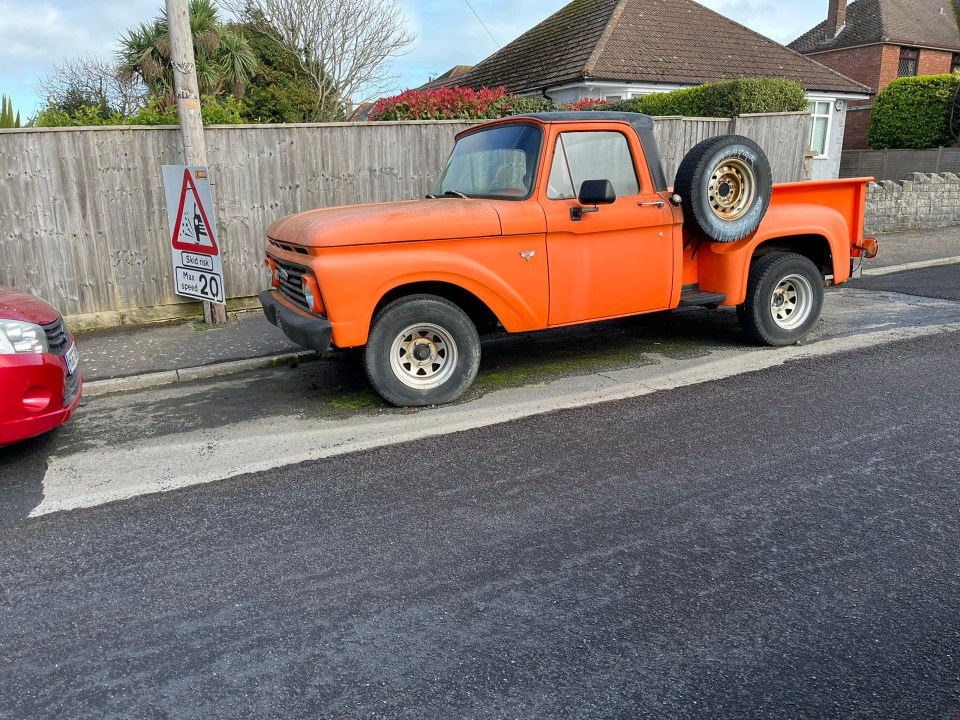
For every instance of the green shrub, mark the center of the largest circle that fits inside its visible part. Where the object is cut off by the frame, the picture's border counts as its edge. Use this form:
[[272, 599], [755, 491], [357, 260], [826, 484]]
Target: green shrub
[[7, 117], [214, 111], [723, 99], [914, 113]]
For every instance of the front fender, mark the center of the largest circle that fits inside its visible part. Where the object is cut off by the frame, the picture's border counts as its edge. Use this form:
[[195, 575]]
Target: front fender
[[354, 280]]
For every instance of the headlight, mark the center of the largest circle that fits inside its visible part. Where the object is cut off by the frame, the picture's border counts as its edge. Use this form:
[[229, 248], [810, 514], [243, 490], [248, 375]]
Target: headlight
[[308, 294], [22, 337]]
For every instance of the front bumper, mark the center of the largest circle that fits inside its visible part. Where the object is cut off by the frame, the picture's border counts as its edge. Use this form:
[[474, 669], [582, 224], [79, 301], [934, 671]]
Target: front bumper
[[32, 375], [305, 330]]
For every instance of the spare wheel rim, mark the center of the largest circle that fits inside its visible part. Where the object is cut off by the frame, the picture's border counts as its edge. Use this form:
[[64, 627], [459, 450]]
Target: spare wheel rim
[[732, 189], [792, 301], [423, 356]]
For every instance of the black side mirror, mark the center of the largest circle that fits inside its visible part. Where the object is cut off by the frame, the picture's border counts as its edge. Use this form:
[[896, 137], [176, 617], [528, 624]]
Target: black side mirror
[[597, 192]]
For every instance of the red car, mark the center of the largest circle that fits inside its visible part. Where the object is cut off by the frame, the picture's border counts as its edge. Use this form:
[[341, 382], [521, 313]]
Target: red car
[[40, 381]]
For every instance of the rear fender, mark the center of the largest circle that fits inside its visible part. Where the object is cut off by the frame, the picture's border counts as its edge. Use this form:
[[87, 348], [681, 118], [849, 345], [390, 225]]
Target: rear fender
[[725, 267]]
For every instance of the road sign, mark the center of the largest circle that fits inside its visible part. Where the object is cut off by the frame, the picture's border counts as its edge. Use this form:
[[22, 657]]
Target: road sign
[[197, 268]]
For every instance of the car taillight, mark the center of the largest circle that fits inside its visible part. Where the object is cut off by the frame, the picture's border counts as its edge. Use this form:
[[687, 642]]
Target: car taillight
[[311, 291], [868, 247], [274, 276]]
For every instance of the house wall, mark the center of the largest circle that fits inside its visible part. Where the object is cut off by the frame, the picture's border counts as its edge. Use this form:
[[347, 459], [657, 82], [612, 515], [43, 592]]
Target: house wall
[[828, 166], [857, 127], [861, 64], [934, 62]]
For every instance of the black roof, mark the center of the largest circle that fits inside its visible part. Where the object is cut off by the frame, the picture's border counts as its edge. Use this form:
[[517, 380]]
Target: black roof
[[642, 124]]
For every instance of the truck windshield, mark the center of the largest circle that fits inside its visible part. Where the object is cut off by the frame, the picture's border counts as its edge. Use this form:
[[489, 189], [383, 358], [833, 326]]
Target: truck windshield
[[497, 163]]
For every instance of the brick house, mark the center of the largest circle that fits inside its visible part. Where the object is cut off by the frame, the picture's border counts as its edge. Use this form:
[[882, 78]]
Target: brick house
[[620, 49], [877, 41]]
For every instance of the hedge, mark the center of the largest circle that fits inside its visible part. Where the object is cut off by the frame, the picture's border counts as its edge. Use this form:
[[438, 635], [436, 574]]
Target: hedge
[[723, 99], [914, 113], [456, 103], [728, 98]]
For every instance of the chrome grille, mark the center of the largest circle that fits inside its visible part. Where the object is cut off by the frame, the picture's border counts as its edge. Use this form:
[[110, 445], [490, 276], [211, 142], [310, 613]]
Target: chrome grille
[[291, 285], [57, 337], [288, 248], [71, 386]]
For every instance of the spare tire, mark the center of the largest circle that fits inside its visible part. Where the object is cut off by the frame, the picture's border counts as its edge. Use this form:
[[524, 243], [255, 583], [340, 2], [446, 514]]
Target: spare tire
[[724, 185]]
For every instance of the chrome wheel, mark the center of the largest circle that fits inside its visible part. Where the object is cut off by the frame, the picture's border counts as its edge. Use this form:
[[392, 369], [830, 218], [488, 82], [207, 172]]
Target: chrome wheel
[[732, 189], [423, 356], [792, 301]]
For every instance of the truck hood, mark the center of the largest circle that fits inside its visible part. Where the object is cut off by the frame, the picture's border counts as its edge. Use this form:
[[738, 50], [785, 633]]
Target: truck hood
[[18, 305], [388, 222]]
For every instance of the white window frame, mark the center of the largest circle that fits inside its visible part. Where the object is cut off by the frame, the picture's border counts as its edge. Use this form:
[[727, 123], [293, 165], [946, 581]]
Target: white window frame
[[813, 124]]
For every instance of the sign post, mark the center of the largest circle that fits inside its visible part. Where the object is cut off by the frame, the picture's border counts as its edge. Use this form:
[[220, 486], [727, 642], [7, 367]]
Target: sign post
[[197, 268], [191, 127]]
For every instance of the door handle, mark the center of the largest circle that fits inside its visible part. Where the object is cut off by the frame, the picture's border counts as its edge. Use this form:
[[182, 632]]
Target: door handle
[[657, 203]]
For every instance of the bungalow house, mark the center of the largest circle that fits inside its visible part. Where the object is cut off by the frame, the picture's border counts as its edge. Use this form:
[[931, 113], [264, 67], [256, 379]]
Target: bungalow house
[[877, 41], [620, 49]]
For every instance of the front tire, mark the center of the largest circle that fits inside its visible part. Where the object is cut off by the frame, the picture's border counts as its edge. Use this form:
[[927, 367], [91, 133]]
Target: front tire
[[784, 299], [422, 350]]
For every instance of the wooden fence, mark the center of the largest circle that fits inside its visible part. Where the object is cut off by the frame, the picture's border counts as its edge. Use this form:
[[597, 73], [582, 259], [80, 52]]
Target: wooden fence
[[898, 164], [83, 222]]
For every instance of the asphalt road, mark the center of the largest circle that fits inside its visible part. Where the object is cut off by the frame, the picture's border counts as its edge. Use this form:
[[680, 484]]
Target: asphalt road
[[936, 282], [783, 543]]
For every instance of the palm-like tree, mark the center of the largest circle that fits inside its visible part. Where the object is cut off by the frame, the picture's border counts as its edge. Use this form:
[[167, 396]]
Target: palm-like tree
[[224, 59]]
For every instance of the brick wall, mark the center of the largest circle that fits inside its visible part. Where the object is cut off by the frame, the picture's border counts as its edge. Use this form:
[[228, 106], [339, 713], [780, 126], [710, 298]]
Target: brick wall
[[858, 127], [861, 64], [922, 201], [935, 62]]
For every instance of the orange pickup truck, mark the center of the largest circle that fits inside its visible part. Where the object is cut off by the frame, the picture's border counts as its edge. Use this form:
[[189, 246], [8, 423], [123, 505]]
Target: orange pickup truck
[[553, 219]]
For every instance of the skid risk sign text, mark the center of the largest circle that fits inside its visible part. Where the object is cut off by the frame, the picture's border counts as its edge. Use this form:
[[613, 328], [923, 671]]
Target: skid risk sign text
[[197, 269]]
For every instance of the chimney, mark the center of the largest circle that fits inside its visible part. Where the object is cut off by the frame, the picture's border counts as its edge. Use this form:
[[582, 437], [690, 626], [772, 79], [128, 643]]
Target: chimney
[[837, 17]]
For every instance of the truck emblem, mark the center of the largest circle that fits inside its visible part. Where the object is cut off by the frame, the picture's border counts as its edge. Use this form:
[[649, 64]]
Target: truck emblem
[[283, 273], [527, 254]]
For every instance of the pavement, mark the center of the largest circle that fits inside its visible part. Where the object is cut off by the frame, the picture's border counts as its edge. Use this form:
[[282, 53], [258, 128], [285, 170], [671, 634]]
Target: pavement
[[138, 357]]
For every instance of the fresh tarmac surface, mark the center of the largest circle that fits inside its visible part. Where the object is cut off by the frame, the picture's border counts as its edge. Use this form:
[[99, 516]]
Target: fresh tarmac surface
[[779, 544]]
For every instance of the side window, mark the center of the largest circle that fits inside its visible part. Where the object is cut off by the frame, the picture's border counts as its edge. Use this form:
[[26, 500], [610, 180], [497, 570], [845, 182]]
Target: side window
[[580, 156]]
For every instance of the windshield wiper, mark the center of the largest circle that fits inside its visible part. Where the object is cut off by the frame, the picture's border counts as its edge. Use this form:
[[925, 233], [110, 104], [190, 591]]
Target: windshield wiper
[[448, 193]]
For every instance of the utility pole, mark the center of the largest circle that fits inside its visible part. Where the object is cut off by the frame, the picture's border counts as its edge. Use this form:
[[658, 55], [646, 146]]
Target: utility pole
[[188, 107]]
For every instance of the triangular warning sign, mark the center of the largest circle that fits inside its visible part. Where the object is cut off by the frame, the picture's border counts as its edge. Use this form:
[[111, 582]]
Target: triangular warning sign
[[192, 231]]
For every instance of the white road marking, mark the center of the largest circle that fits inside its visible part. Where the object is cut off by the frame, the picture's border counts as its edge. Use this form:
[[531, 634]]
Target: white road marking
[[107, 474], [918, 265]]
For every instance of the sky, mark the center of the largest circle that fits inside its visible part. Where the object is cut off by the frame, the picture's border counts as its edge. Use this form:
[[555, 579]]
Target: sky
[[38, 33]]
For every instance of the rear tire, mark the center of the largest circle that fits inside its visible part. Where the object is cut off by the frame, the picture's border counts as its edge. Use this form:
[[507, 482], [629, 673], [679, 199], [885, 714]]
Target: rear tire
[[725, 184], [422, 350], [784, 299]]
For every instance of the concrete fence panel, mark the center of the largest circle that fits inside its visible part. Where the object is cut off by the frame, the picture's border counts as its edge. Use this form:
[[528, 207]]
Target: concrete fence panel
[[898, 164], [83, 222]]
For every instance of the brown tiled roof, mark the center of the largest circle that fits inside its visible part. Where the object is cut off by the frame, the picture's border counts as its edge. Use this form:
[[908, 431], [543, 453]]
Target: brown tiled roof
[[931, 23], [660, 41], [442, 80]]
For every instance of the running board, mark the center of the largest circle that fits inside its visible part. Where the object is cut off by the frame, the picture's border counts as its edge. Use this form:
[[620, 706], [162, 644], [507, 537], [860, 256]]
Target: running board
[[692, 296]]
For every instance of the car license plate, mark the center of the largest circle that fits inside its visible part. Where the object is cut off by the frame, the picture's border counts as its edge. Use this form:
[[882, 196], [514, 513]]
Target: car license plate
[[73, 359]]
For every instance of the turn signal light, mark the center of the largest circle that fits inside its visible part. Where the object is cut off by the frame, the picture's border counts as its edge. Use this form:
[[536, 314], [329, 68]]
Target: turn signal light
[[870, 247], [311, 291], [274, 277]]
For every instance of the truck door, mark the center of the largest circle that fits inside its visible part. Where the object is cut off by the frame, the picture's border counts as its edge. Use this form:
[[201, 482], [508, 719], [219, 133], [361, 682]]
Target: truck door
[[618, 260]]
